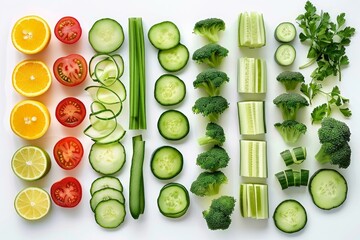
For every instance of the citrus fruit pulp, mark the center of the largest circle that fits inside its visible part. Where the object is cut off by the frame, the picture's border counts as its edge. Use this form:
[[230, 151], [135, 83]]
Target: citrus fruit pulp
[[30, 34], [30, 163], [31, 78], [32, 203], [30, 119]]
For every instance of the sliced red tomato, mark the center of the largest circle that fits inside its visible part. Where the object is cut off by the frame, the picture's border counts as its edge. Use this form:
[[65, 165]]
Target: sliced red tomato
[[67, 192], [68, 30], [68, 152], [70, 112], [70, 70]]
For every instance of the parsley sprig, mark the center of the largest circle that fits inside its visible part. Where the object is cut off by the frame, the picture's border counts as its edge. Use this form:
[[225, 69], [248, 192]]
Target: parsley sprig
[[328, 41]]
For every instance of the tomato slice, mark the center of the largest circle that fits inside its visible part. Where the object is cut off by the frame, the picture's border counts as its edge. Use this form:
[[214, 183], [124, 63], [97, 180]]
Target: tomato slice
[[68, 152], [67, 192], [70, 112], [68, 30], [70, 70]]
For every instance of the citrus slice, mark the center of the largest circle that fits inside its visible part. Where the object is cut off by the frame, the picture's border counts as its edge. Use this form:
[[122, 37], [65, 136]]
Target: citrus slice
[[31, 78], [30, 119], [31, 34], [30, 163], [32, 203]]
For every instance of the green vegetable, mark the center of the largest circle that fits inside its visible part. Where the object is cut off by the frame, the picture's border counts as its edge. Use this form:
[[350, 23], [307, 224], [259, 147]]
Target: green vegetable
[[214, 135], [211, 81], [252, 75], [291, 130], [254, 201], [334, 99], [218, 216], [137, 74], [290, 79], [290, 216], [251, 115], [213, 159], [293, 156], [136, 188], [327, 40], [289, 104], [285, 32], [253, 158], [209, 28], [208, 183], [334, 136], [211, 54], [251, 30], [210, 107]]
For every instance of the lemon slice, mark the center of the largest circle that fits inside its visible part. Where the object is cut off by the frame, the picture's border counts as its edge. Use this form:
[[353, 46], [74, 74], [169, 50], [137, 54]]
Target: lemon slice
[[30, 163], [32, 203]]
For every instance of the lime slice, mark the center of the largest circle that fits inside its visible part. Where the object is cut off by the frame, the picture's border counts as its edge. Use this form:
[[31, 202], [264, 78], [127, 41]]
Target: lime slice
[[32, 203], [30, 163]]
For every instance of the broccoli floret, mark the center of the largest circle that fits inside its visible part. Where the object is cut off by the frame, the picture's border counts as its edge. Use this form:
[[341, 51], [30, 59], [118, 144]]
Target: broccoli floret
[[208, 183], [218, 216], [209, 28], [210, 107], [333, 131], [213, 159], [211, 54], [289, 104], [290, 79], [335, 155], [214, 135], [211, 81], [291, 130], [334, 136]]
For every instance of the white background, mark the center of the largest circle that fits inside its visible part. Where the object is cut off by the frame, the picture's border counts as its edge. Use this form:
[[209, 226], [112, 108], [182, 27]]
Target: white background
[[79, 223]]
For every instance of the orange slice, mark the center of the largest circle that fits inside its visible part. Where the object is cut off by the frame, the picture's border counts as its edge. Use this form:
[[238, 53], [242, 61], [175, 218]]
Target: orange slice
[[31, 34], [31, 78], [30, 119]]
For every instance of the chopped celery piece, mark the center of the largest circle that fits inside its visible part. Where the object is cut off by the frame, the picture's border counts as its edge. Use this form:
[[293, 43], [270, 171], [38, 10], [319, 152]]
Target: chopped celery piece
[[251, 30], [252, 75], [254, 202], [253, 160], [251, 116]]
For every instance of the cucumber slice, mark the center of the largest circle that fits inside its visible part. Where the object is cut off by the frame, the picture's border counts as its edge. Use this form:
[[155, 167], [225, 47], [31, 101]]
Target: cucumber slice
[[281, 177], [119, 63], [252, 75], [174, 59], [304, 175], [289, 173], [251, 116], [100, 128], [173, 125], [173, 200], [285, 54], [105, 182], [251, 30], [328, 189], [285, 32], [297, 178], [110, 213], [118, 88], [108, 158], [253, 160], [261, 201], [115, 136], [166, 162], [106, 72], [106, 35], [106, 194], [293, 156], [107, 97], [290, 216], [164, 35], [169, 90]]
